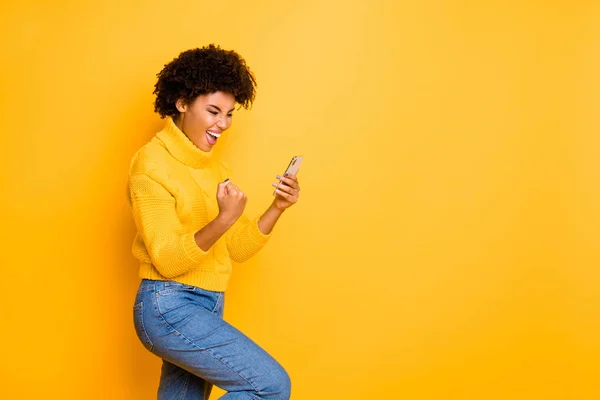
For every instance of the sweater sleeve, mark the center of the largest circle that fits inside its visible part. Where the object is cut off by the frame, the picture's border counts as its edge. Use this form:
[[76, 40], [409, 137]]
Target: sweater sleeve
[[244, 239], [172, 250]]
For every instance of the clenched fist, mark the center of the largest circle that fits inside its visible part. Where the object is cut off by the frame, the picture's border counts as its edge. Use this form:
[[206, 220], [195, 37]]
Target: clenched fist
[[231, 200]]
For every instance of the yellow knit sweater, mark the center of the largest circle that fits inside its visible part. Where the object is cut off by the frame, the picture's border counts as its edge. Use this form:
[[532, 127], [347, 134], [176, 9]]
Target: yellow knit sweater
[[172, 194]]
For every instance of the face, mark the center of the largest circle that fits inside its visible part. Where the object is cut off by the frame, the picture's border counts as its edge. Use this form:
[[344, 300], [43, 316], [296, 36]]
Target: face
[[206, 118]]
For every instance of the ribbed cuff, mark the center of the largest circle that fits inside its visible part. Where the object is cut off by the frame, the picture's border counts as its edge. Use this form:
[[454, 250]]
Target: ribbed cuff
[[256, 235], [192, 250]]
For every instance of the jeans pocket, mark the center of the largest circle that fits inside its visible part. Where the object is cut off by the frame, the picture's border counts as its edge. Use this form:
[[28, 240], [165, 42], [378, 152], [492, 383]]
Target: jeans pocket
[[140, 329]]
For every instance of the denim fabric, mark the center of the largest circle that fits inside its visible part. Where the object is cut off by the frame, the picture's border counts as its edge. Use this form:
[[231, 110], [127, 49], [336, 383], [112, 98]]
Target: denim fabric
[[184, 326]]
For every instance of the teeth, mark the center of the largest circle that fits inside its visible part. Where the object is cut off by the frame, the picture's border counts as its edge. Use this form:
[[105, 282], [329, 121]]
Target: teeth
[[216, 135]]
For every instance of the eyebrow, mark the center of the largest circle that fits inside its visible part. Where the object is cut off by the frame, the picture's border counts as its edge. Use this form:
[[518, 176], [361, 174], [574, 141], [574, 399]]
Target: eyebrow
[[212, 105]]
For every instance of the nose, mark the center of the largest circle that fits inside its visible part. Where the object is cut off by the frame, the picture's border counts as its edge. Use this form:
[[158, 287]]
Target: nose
[[222, 122]]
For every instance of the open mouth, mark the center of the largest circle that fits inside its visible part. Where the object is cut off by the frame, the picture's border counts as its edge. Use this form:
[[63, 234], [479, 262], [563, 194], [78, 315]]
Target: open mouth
[[212, 137]]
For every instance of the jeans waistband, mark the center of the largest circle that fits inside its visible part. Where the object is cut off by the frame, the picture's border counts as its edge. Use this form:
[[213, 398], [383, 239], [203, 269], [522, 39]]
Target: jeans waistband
[[150, 284]]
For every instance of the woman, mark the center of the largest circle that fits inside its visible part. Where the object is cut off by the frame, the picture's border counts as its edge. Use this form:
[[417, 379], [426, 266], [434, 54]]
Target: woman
[[190, 224]]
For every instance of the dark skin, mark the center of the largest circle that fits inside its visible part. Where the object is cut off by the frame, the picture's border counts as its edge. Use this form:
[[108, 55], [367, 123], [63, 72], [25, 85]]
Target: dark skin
[[226, 81], [212, 112], [232, 202]]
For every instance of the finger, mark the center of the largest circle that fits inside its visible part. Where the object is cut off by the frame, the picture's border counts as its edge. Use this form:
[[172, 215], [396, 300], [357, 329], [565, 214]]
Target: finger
[[285, 188], [232, 189], [290, 176], [287, 196], [289, 181], [241, 199], [222, 188]]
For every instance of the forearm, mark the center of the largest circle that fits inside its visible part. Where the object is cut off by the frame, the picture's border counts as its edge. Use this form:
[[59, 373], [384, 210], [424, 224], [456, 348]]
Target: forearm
[[207, 236], [267, 221]]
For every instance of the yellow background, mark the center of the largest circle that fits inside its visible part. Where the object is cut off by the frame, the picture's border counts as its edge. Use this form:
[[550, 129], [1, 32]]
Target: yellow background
[[446, 242]]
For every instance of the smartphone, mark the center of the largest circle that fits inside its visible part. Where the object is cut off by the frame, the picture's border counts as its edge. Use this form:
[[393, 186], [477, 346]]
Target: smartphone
[[293, 166]]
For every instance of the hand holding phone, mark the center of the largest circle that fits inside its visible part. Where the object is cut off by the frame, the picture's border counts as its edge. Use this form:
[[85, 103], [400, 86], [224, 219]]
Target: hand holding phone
[[292, 168], [287, 190]]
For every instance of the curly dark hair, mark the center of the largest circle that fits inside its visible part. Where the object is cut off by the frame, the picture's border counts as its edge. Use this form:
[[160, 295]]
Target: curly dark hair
[[203, 71]]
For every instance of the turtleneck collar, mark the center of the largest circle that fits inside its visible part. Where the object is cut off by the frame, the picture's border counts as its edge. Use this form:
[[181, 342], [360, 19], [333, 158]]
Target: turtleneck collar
[[181, 147]]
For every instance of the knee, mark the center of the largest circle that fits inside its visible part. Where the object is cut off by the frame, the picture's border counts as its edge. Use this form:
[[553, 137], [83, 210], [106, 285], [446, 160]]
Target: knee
[[285, 385], [276, 385]]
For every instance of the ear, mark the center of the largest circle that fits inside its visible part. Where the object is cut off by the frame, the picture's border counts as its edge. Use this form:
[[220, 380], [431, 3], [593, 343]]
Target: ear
[[181, 105]]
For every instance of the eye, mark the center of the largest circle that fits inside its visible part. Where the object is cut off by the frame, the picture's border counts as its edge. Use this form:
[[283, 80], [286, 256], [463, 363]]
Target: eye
[[213, 112], [230, 115]]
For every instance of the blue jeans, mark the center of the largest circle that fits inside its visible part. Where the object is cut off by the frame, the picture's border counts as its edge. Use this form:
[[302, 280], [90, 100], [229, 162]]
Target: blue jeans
[[184, 326]]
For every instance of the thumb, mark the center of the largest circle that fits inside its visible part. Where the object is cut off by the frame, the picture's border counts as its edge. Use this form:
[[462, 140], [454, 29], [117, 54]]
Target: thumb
[[221, 189]]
